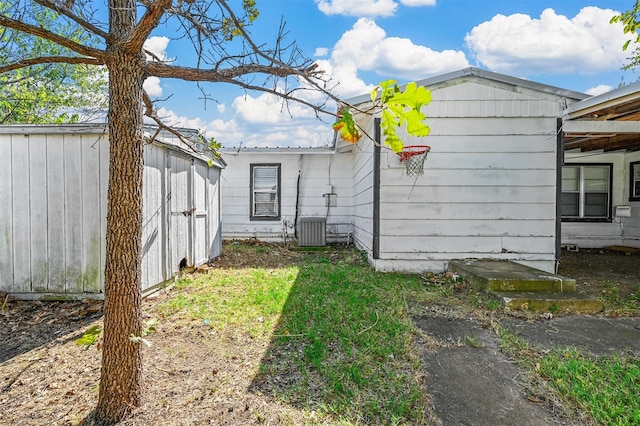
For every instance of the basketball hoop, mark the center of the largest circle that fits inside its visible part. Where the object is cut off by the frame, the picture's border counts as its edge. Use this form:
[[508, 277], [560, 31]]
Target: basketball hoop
[[413, 157]]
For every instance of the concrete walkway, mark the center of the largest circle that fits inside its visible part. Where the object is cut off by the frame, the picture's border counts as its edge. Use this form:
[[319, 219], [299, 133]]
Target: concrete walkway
[[472, 382]]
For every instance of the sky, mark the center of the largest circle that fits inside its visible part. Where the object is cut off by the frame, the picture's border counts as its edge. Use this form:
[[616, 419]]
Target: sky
[[358, 43]]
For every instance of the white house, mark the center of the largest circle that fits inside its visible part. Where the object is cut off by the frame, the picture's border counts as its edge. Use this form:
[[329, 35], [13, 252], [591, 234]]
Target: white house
[[490, 183], [53, 193], [265, 191], [490, 187], [601, 174]]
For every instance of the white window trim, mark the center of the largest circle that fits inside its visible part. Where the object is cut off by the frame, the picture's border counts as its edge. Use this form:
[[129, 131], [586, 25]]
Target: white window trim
[[276, 191], [581, 194]]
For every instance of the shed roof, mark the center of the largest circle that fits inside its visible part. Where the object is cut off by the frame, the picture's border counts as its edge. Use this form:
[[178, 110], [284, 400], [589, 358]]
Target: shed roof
[[608, 122], [162, 137]]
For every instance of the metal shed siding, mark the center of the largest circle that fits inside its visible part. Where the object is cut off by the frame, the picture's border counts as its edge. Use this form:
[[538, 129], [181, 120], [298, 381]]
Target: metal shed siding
[[154, 229], [53, 230], [489, 186], [54, 215]]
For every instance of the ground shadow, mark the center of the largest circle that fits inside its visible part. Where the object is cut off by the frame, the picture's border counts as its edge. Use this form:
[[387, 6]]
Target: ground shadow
[[27, 325]]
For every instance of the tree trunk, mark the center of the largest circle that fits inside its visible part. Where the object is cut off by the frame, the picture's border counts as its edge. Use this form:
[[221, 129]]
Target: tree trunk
[[121, 375]]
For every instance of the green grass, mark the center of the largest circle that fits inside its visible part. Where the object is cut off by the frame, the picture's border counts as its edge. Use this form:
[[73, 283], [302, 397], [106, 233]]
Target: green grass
[[252, 298], [341, 329], [617, 301], [340, 338], [602, 389], [606, 387]]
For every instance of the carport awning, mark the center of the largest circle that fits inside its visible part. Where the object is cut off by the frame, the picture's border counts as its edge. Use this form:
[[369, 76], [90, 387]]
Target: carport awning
[[608, 122]]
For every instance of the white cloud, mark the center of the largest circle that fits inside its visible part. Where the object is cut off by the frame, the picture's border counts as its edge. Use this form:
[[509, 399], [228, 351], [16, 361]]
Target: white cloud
[[152, 86], [415, 3], [599, 90], [321, 51], [268, 108], [221, 108], [552, 44], [158, 46], [357, 7], [366, 47]]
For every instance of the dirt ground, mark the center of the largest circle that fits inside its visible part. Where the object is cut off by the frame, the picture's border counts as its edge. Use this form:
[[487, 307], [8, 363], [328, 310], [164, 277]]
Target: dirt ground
[[193, 374], [613, 272]]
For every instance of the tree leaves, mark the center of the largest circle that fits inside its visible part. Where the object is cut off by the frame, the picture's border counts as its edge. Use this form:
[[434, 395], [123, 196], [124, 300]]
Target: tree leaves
[[89, 337], [347, 126], [397, 109], [631, 21]]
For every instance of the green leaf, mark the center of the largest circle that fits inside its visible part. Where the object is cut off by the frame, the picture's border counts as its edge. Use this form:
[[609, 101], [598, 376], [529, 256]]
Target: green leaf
[[89, 337]]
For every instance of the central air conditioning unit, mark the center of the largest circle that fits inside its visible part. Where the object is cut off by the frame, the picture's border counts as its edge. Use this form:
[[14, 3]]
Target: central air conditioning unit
[[313, 232]]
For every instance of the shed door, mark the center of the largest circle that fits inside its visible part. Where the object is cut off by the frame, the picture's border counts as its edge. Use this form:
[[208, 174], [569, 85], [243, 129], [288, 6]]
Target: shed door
[[200, 213], [180, 201]]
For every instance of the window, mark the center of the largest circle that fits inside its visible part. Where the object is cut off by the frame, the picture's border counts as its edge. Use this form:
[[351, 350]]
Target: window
[[265, 191], [634, 186], [586, 192]]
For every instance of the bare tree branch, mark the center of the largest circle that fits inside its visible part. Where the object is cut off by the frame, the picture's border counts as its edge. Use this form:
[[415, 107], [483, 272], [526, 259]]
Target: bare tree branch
[[48, 35], [25, 63], [159, 69], [75, 18], [147, 24]]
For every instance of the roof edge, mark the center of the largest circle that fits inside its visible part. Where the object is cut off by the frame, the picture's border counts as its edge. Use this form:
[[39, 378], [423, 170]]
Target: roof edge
[[613, 97], [489, 75]]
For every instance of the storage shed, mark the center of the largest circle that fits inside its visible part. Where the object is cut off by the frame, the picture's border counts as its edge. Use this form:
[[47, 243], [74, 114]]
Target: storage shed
[[53, 193]]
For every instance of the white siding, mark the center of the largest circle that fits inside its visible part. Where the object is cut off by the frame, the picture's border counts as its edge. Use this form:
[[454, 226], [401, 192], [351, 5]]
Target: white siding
[[317, 171], [489, 183], [154, 226], [625, 231], [214, 212], [53, 189], [363, 184], [52, 222]]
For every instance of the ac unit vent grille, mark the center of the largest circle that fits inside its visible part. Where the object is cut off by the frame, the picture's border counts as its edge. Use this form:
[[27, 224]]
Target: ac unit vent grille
[[313, 232]]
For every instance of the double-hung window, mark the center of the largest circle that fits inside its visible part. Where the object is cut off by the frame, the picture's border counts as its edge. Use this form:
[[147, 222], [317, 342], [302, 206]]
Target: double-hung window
[[634, 186], [265, 191], [586, 192]]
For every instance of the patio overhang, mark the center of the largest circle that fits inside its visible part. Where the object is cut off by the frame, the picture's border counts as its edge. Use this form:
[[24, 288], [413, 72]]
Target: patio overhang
[[607, 122]]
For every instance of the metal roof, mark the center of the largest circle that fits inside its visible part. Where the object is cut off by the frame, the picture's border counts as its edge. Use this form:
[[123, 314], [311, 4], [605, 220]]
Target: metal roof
[[487, 75]]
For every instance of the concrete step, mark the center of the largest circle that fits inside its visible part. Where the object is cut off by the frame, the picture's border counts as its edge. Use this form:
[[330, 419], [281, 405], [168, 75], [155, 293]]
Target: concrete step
[[504, 275], [548, 302]]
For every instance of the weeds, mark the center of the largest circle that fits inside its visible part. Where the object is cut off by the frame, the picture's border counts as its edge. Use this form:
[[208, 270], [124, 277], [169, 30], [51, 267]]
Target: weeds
[[605, 388], [342, 330]]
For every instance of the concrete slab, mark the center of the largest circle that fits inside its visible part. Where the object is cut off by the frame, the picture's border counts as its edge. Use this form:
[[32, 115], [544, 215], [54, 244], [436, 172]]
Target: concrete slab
[[475, 385], [471, 382], [562, 303], [596, 335], [504, 275]]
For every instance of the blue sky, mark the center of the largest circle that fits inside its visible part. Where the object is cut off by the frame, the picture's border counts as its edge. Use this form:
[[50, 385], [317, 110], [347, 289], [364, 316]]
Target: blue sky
[[564, 43]]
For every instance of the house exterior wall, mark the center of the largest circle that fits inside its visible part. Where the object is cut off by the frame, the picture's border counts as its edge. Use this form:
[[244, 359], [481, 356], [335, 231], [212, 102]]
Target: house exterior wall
[[626, 231], [317, 170], [489, 183], [363, 191], [54, 182]]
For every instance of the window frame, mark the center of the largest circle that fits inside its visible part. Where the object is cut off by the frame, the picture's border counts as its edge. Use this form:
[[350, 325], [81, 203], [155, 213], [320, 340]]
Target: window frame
[[581, 192], [633, 195], [252, 215]]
